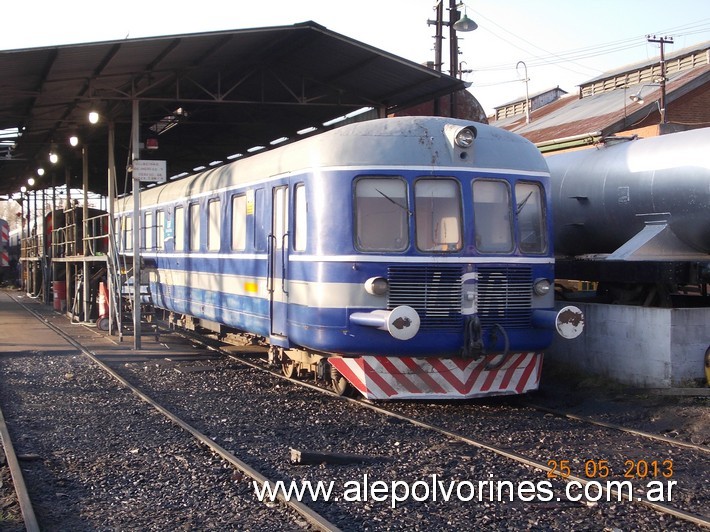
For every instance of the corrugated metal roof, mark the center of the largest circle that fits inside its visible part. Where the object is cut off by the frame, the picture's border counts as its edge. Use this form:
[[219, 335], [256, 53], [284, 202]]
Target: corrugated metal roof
[[239, 89], [608, 112], [669, 57], [532, 96]]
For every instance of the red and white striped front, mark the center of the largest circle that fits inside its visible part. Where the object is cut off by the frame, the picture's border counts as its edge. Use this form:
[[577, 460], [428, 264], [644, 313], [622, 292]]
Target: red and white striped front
[[379, 377], [4, 243]]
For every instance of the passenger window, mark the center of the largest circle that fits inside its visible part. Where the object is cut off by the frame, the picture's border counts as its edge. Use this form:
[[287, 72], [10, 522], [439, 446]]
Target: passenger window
[[179, 228], [148, 231], [118, 231], [128, 232], [300, 218], [532, 233], [260, 214], [214, 224], [159, 225], [239, 222], [194, 226], [491, 216], [280, 216], [381, 214], [438, 215]]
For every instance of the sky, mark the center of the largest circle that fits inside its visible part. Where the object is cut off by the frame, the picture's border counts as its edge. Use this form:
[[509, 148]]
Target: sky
[[561, 42]]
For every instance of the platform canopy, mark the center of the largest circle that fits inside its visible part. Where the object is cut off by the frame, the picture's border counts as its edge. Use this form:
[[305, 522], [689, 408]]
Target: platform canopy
[[202, 98]]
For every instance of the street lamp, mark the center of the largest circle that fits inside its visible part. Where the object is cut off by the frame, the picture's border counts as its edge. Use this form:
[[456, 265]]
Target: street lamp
[[637, 98], [527, 95], [465, 23], [455, 24]]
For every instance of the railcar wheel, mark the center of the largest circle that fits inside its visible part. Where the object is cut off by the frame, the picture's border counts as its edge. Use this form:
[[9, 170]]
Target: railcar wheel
[[289, 368], [340, 384]]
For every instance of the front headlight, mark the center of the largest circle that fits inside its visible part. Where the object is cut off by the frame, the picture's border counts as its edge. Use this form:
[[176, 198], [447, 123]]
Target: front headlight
[[377, 286], [465, 137], [542, 287]]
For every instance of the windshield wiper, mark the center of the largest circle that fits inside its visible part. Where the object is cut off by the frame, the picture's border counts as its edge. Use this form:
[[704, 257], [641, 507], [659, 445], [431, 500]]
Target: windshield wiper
[[397, 204], [522, 203]]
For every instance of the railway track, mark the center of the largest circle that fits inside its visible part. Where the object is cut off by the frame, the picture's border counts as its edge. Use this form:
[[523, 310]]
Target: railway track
[[18, 481], [614, 426], [227, 398], [593, 470], [312, 518]]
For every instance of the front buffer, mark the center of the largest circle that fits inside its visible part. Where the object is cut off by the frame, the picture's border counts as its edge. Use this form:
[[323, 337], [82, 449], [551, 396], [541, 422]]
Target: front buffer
[[380, 377], [389, 377]]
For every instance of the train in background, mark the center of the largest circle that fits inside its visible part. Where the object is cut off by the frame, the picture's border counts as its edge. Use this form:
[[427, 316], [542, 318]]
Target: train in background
[[9, 253], [405, 257], [634, 216], [4, 245]]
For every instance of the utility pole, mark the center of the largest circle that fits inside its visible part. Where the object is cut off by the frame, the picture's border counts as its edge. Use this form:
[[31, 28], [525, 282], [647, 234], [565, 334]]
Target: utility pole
[[455, 23], [662, 41]]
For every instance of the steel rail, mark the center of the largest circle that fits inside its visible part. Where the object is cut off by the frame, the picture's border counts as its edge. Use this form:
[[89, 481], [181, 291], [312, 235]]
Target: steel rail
[[621, 428], [312, 517], [696, 519], [23, 497]]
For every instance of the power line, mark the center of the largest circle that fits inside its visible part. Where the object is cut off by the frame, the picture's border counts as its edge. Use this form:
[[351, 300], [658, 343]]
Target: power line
[[574, 55]]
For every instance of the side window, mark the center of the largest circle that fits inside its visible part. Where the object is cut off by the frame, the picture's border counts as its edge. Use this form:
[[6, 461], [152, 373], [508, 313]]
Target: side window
[[159, 228], [128, 232], [279, 221], [239, 222], [438, 215], [118, 231], [300, 218], [179, 228], [381, 214], [492, 216], [148, 231], [529, 209], [194, 219], [214, 224], [260, 214]]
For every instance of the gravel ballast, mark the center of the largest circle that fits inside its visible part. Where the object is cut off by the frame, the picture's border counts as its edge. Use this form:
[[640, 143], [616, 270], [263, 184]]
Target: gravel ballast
[[101, 459]]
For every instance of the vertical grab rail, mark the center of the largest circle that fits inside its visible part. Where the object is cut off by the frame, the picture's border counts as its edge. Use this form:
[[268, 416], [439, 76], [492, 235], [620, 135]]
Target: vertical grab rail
[[116, 283]]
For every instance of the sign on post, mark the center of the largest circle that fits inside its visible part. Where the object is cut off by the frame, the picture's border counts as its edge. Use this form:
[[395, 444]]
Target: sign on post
[[149, 170]]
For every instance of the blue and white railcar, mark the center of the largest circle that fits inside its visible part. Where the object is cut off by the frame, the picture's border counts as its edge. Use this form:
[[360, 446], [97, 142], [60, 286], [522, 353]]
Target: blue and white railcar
[[409, 256], [4, 244]]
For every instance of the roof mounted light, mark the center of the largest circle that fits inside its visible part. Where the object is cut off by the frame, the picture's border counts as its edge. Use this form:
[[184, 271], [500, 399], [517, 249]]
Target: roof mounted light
[[465, 137]]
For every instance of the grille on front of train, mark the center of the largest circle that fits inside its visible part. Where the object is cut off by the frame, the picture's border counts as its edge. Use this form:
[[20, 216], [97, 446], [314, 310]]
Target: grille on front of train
[[433, 291], [504, 296]]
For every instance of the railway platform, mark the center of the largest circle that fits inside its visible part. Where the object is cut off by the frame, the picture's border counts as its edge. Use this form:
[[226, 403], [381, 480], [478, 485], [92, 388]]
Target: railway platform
[[28, 325]]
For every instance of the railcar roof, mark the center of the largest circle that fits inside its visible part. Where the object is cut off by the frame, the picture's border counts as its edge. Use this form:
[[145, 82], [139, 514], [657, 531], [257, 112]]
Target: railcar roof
[[236, 89], [398, 142]]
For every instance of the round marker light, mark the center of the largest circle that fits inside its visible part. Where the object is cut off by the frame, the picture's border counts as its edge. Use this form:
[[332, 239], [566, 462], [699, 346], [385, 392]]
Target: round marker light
[[542, 287], [465, 137], [377, 286]]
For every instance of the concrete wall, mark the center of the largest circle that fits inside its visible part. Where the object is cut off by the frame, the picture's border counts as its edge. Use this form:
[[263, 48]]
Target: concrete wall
[[646, 347]]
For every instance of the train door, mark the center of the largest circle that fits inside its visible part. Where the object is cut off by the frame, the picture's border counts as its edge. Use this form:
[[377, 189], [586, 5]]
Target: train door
[[278, 260]]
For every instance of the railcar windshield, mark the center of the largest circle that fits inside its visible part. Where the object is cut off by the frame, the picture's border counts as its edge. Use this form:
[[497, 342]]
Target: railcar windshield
[[437, 210], [532, 237], [381, 214], [492, 216]]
